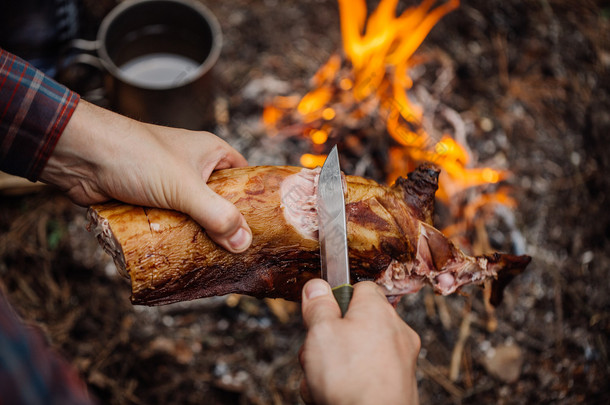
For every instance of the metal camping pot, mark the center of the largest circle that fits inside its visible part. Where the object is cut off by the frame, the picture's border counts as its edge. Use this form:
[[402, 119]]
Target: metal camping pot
[[158, 58]]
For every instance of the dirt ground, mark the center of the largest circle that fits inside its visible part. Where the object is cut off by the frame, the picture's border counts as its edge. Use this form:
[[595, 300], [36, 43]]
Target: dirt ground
[[532, 79]]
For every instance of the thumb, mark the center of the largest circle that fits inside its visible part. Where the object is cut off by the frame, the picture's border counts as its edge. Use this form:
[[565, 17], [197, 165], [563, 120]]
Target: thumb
[[221, 220], [319, 304]]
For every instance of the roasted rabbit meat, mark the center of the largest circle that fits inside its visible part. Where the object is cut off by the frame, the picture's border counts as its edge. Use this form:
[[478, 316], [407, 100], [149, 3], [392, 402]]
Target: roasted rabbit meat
[[391, 239]]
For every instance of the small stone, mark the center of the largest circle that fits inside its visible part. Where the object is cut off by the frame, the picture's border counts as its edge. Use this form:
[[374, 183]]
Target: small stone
[[587, 257], [486, 124], [504, 362], [258, 87]]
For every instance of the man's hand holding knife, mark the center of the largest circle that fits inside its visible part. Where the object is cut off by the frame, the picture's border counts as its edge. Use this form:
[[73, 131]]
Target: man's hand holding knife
[[358, 352]]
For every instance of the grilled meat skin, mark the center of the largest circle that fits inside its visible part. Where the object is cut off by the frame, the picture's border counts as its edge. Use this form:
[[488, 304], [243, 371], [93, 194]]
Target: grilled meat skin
[[391, 240]]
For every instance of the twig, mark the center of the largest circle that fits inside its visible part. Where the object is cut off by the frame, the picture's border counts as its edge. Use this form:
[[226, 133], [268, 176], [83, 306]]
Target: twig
[[492, 320], [429, 303], [467, 361], [499, 42], [458, 349], [12, 185], [436, 375], [558, 301], [443, 311], [482, 246]]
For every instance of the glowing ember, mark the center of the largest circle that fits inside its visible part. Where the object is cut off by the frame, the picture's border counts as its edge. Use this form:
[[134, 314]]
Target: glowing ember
[[311, 161], [368, 85], [319, 137]]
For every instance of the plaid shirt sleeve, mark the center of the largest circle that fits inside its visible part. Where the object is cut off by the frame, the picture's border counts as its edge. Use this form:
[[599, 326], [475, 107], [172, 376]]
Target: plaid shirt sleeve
[[30, 373], [34, 111]]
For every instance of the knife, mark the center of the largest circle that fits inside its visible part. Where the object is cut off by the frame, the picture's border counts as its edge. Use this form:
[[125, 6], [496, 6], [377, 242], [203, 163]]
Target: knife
[[333, 230]]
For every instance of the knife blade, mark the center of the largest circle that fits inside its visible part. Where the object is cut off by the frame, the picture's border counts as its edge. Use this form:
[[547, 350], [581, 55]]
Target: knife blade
[[333, 230]]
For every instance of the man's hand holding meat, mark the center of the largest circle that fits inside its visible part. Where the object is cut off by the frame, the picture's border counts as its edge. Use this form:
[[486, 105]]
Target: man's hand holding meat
[[367, 357], [102, 155]]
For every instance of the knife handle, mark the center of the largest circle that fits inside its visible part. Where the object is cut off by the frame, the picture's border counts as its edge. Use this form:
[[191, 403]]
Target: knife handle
[[343, 295]]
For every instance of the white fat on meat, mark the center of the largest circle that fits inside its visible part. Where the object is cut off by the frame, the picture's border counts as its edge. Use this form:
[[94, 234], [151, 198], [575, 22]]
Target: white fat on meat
[[299, 201]]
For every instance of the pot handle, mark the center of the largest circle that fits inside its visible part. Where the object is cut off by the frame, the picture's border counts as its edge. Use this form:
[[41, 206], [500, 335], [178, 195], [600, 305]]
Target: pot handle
[[82, 70], [84, 45]]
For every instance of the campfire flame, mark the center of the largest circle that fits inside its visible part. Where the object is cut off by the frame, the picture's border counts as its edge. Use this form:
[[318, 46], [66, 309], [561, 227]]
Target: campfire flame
[[370, 82]]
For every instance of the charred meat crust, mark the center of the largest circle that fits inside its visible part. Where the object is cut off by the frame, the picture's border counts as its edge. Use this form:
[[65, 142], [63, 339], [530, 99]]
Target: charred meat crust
[[169, 257], [419, 189], [512, 266]]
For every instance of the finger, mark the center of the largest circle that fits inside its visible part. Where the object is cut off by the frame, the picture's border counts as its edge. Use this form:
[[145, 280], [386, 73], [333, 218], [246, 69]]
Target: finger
[[319, 304], [234, 159], [370, 289], [225, 157], [301, 357], [222, 220], [229, 159], [368, 300], [305, 393]]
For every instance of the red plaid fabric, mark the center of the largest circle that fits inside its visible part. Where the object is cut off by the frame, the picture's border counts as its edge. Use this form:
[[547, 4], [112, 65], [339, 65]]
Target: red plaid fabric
[[34, 111], [30, 373]]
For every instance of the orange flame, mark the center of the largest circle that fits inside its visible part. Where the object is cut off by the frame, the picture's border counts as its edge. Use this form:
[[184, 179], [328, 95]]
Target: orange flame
[[374, 83], [475, 207]]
